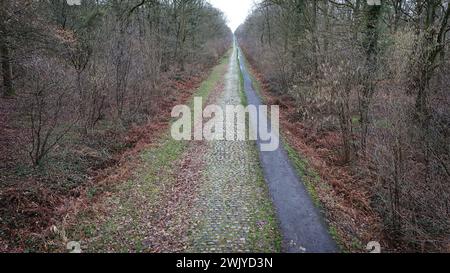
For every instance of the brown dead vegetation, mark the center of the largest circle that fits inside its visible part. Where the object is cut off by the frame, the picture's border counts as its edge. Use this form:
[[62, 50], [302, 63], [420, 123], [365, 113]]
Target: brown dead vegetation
[[31, 208]]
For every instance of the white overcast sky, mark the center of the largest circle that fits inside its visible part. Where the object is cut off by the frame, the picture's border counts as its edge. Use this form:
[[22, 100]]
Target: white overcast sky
[[235, 10]]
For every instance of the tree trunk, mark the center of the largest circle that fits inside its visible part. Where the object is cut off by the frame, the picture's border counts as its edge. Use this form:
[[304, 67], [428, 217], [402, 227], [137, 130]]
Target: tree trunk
[[327, 14], [5, 54], [315, 40], [373, 16]]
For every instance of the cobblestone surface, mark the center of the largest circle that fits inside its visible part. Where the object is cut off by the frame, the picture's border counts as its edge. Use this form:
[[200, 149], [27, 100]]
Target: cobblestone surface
[[233, 212], [188, 196]]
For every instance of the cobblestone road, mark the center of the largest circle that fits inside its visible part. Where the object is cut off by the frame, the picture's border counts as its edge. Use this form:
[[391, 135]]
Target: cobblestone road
[[233, 212]]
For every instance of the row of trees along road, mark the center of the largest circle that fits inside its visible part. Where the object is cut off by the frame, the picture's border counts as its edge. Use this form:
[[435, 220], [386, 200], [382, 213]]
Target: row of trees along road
[[75, 66], [80, 85], [378, 74]]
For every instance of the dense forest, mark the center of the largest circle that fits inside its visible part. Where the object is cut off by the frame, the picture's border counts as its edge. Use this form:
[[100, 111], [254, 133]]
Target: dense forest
[[77, 78], [374, 76], [87, 88]]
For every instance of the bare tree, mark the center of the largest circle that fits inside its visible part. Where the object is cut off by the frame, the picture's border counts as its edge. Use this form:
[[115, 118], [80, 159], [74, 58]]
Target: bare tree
[[49, 110]]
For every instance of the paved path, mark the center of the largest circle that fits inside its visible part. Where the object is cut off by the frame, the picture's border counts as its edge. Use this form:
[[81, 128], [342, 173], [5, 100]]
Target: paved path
[[301, 223], [208, 197], [233, 212]]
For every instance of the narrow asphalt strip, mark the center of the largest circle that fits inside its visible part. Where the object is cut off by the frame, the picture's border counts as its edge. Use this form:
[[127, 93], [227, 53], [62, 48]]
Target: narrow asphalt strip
[[301, 223]]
